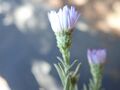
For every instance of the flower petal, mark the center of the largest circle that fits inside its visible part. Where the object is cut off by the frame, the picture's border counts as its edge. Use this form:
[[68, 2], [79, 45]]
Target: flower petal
[[65, 19]]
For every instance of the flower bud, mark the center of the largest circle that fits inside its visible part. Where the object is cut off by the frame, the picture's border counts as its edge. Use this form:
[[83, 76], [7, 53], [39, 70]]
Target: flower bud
[[96, 56]]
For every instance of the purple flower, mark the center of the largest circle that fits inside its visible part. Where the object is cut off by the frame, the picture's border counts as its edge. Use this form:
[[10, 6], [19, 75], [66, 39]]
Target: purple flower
[[65, 19], [96, 56]]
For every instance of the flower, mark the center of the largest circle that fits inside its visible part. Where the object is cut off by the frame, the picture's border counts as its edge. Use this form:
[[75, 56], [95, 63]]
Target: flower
[[96, 56], [65, 19]]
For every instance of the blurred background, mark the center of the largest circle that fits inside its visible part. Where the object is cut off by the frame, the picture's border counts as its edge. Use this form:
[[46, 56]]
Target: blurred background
[[28, 46]]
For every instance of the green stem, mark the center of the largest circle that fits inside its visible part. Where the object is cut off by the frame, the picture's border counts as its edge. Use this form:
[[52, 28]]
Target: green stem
[[66, 57], [97, 71], [64, 44], [97, 85]]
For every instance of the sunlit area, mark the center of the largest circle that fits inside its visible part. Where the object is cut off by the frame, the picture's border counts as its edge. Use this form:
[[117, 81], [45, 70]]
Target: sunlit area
[[28, 47], [41, 71], [3, 84]]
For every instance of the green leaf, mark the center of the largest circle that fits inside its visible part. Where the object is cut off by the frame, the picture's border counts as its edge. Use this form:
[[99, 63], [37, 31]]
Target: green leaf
[[60, 72], [74, 62], [67, 82], [62, 62], [91, 84], [77, 69]]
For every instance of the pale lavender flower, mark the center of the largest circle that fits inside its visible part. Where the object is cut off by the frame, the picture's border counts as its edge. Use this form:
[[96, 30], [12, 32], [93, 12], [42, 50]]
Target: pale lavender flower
[[64, 19], [96, 56]]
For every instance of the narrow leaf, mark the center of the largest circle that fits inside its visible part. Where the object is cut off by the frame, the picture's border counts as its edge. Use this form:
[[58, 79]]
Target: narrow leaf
[[62, 62], [62, 70], [74, 62], [67, 83], [60, 73], [77, 69]]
